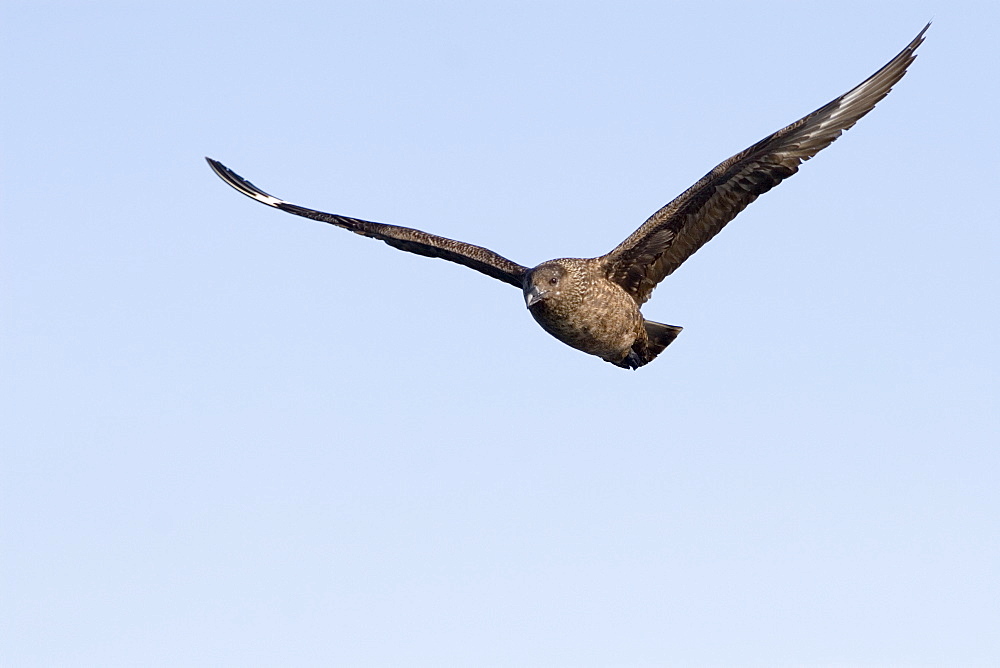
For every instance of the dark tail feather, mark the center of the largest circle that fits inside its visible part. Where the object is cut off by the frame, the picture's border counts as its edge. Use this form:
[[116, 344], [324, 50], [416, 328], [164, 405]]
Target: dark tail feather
[[660, 336]]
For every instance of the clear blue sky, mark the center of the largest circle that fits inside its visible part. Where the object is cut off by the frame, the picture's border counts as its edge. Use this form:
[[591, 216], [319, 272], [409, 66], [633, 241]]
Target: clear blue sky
[[235, 437]]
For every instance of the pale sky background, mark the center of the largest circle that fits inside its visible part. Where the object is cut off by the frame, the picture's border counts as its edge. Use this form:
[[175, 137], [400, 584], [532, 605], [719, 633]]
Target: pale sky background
[[236, 437]]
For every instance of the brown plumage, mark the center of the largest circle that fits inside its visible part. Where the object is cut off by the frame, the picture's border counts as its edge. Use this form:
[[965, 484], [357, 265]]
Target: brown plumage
[[593, 304]]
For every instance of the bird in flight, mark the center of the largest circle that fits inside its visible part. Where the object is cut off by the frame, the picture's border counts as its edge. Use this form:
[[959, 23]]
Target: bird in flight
[[592, 304]]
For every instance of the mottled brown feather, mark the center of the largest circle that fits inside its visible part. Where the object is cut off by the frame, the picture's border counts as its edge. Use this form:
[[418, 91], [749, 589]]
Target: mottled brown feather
[[675, 232]]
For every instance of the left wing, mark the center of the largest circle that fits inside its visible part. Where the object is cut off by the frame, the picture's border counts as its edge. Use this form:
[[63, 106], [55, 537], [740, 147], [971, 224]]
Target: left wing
[[403, 238]]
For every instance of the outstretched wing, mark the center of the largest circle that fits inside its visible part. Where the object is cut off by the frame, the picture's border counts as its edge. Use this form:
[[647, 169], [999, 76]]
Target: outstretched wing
[[403, 238], [684, 225]]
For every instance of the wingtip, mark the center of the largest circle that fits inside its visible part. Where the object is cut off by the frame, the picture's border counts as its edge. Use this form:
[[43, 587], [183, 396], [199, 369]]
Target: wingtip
[[240, 184], [216, 166], [919, 39], [222, 171]]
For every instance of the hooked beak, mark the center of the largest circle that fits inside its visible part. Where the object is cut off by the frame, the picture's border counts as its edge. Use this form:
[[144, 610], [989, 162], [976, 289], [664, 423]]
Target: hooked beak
[[532, 296]]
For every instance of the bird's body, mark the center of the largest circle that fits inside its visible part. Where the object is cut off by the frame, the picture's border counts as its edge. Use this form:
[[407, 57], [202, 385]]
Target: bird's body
[[592, 313], [593, 304]]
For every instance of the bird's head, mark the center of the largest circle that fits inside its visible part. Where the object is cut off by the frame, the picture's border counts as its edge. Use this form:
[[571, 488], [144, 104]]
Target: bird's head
[[546, 281]]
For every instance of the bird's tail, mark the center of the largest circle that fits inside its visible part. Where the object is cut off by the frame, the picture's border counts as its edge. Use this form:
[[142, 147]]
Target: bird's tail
[[660, 336]]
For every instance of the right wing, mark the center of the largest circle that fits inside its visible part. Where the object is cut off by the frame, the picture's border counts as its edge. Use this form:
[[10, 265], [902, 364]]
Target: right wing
[[403, 238], [684, 225]]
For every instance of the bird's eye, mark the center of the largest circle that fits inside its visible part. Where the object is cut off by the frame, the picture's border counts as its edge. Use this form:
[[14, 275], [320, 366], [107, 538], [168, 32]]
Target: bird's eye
[[553, 281]]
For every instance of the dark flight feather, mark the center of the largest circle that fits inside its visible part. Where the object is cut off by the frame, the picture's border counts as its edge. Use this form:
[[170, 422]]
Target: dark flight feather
[[403, 238], [675, 232]]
